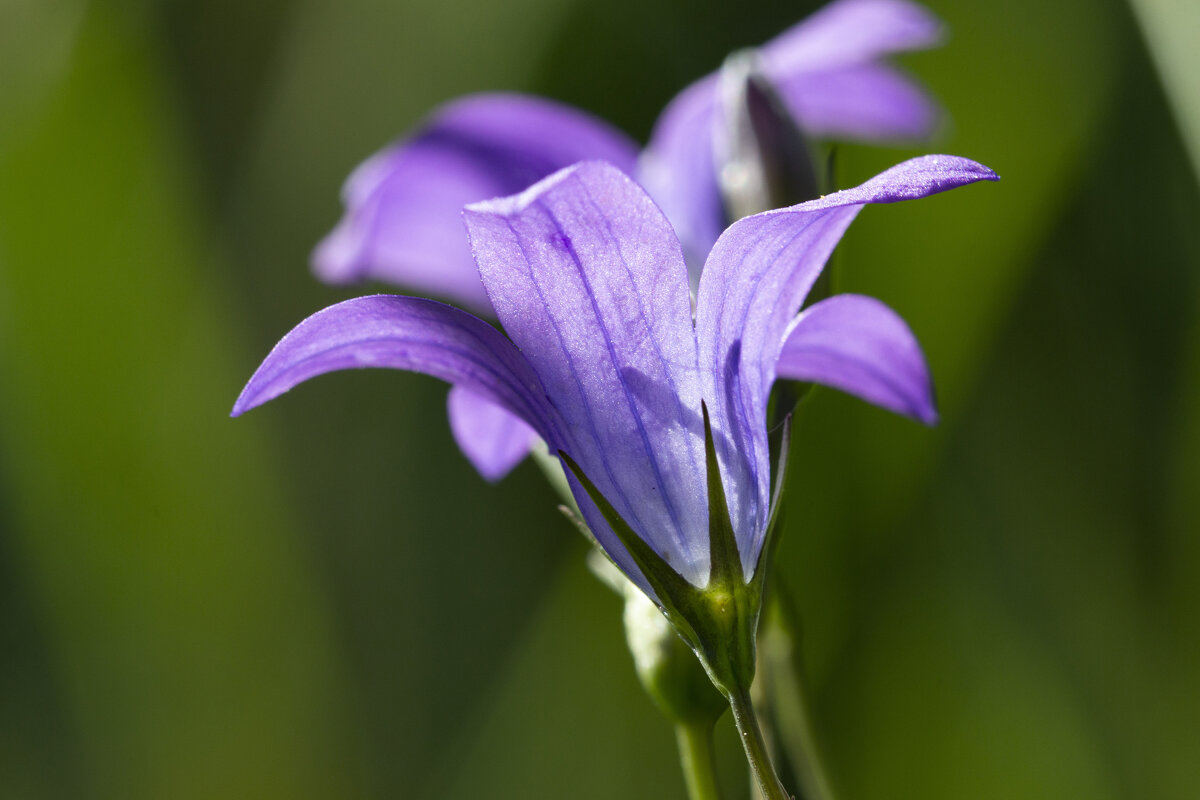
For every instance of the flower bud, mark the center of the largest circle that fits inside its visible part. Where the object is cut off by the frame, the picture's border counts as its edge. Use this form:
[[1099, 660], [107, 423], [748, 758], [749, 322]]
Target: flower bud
[[762, 158], [667, 668]]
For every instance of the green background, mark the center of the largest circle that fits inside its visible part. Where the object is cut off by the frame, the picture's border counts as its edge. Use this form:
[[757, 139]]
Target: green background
[[322, 600]]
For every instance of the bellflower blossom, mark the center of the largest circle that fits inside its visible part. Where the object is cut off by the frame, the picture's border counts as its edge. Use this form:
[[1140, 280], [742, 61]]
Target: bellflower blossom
[[605, 361], [402, 206], [657, 413]]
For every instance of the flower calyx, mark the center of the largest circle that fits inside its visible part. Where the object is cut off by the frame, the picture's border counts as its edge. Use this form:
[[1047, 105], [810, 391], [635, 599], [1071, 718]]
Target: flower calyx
[[719, 622]]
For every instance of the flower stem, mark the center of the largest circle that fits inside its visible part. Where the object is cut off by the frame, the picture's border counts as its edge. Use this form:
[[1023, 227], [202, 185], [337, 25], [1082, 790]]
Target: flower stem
[[696, 759], [787, 693], [756, 748]]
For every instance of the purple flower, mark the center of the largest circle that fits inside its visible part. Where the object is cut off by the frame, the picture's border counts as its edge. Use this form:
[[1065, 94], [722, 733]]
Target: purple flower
[[402, 222], [830, 74], [605, 361]]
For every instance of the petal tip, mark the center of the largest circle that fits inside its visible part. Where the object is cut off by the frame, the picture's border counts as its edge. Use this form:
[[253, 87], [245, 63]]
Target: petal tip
[[925, 407], [241, 406], [248, 399], [514, 204], [335, 260], [955, 165], [493, 439], [929, 417], [981, 172]]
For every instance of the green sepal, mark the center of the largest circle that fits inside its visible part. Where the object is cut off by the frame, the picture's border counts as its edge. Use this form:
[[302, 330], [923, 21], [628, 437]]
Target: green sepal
[[573, 517], [666, 665], [667, 584], [720, 620], [732, 604], [771, 538], [724, 557]]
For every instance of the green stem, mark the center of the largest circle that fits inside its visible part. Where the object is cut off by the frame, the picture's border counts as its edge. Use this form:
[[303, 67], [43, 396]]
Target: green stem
[[811, 769], [787, 693], [696, 758], [756, 748]]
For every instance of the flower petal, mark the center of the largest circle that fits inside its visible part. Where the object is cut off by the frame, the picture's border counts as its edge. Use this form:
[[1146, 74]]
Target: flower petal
[[588, 279], [492, 438], [850, 32], [403, 206], [859, 345], [753, 284], [828, 70], [678, 170], [824, 69], [407, 333], [869, 102]]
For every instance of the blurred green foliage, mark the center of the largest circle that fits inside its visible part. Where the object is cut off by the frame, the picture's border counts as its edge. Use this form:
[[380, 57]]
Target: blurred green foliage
[[322, 600]]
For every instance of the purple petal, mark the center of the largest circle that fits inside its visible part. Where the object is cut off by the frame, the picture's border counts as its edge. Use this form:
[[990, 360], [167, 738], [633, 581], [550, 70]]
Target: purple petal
[[828, 70], [859, 345], [493, 439], [753, 284], [407, 333], [824, 68], [588, 279], [869, 102], [678, 170], [403, 219], [850, 32]]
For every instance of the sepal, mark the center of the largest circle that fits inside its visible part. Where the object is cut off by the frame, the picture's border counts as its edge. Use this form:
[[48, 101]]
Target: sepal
[[670, 588], [763, 566], [667, 668], [719, 621], [728, 614]]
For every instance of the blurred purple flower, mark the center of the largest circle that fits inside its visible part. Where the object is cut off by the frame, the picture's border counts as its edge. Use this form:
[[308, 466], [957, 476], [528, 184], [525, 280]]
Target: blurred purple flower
[[605, 361], [403, 206]]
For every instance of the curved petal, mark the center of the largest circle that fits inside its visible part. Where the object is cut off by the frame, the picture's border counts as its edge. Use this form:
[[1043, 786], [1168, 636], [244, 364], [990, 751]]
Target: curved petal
[[408, 333], [870, 102], [492, 438], [678, 169], [828, 70], [588, 279], [851, 32], [403, 220], [859, 345], [824, 69], [753, 284]]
